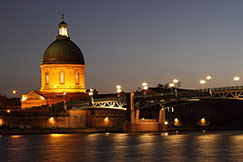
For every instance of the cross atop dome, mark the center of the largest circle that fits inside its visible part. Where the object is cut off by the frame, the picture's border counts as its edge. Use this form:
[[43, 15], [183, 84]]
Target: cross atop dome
[[62, 16]]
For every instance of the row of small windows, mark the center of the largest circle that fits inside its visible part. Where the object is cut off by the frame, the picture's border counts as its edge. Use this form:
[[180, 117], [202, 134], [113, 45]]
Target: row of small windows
[[62, 78]]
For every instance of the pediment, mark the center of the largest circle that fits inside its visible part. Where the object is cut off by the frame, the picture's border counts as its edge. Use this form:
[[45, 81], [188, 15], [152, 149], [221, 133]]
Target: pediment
[[34, 96]]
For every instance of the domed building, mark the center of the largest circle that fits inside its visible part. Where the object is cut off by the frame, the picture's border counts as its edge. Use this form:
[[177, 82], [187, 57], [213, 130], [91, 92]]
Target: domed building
[[62, 72]]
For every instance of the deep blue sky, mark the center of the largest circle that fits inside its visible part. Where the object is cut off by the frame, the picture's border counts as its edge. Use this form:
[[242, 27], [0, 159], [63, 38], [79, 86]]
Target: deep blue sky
[[125, 42]]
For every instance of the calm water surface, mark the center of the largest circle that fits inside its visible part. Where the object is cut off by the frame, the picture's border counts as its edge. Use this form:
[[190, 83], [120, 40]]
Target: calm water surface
[[196, 146]]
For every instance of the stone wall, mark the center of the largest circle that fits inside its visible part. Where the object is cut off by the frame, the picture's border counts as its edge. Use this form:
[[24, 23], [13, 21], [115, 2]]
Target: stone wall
[[91, 118]]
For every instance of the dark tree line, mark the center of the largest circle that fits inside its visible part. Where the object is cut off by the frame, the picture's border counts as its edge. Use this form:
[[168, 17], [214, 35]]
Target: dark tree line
[[8, 103]]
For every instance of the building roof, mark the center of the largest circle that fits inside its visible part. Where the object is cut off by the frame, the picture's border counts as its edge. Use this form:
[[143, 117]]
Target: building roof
[[63, 51]]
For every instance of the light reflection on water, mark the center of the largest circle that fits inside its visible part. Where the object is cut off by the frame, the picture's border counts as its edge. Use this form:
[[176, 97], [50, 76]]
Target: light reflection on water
[[194, 146]]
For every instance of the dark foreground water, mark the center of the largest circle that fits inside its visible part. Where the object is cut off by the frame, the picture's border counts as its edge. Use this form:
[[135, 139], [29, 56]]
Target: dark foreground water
[[191, 146]]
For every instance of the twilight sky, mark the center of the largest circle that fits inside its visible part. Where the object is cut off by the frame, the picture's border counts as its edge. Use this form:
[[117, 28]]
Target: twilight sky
[[125, 41]]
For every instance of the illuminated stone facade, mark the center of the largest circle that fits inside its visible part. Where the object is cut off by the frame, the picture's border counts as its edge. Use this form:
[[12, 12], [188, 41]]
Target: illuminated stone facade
[[62, 72], [63, 78]]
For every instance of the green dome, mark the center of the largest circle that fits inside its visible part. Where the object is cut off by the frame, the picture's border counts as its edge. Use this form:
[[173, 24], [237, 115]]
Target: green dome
[[63, 51]]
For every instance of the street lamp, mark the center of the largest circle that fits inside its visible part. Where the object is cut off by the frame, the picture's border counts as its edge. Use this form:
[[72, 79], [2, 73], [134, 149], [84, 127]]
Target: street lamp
[[118, 90], [175, 81], [171, 85], [15, 96], [202, 82], [209, 78], [64, 100], [91, 93], [236, 79], [145, 87], [144, 84], [15, 93]]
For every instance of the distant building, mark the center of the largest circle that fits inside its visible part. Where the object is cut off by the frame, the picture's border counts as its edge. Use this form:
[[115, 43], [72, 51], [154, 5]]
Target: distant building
[[62, 72]]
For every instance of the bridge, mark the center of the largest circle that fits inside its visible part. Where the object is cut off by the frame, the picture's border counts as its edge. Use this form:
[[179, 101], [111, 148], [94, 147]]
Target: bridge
[[155, 105], [147, 100]]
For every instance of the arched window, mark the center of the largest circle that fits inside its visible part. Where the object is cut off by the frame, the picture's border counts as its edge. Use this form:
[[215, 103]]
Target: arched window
[[62, 78], [47, 78], [77, 78]]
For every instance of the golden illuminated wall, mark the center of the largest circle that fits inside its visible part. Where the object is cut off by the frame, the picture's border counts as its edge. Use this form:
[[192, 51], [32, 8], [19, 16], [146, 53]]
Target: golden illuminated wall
[[63, 78]]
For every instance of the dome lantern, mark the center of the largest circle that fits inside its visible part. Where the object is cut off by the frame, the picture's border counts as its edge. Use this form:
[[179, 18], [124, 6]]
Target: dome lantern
[[63, 28]]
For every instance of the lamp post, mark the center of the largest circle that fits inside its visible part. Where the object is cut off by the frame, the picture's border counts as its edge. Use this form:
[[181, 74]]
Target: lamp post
[[64, 100], [91, 93], [171, 85], [202, 82], [236, 79], [145, 87], [118, 90], [209, 78], [15, 93], [176, 82], [15, 97]]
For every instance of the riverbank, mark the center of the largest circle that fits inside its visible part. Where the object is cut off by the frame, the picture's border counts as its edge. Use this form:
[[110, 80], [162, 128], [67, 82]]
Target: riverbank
[[58, 130]]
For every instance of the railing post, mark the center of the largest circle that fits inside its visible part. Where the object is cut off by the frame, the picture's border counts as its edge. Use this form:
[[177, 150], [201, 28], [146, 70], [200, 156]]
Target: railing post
[[162, 116], [162, 120], [132, 108], [210, 92], [137, 115]]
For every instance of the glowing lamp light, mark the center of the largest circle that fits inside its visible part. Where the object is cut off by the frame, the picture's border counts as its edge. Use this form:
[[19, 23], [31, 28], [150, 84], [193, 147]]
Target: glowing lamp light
[[145, 87], [8, 111], [236, 78], [16, 136], [56, 135], [144, 84], [24, 98], [175, 81], [176, 120], [14, 91], [51, 120], [171, 85], [202, 81], [106, 121], [91, 90], [203, 121], [42, 98], [118, 87], [64, 93], [164, 134], [209, 77], [91, 93], [166, 122]]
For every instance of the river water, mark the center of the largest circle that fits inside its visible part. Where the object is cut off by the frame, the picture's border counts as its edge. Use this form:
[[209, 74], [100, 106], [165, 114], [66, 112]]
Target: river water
[[190, 146]]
